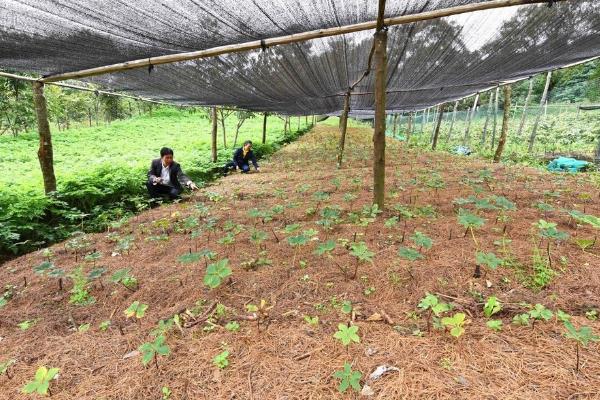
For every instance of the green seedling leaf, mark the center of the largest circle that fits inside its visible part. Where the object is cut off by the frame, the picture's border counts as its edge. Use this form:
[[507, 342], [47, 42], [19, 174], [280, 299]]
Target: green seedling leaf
[[216, 273], [325, 248], [189, 258], [136, 309], [4, 366], [456, 324], [540, 312], [521, 319], [151, 350], [488, 259], [491, 306], [361, 252], [313, 321], [221, 360], [347, 334], [348, 378], [422, 240], [41, 381], [232, 326], [410, 254], [494, 324]]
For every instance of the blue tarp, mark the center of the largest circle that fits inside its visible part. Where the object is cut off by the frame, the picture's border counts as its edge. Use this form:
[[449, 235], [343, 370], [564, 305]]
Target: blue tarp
[[565, 164]]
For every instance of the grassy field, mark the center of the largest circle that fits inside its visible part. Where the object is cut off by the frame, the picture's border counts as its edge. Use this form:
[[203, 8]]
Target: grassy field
[[130, 144], [101, 171]]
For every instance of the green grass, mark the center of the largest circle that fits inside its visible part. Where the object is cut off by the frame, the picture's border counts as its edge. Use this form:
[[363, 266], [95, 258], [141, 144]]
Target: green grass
[[101, 171], [130, 143]]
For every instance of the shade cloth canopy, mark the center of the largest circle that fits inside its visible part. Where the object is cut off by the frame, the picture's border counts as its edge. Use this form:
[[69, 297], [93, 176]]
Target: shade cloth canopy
[[429, 62]]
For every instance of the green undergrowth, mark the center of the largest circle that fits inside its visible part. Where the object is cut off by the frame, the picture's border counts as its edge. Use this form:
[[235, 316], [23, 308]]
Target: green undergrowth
[[101, 172]]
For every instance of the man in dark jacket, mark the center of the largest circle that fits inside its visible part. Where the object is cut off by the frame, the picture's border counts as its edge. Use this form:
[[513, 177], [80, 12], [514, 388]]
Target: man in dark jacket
[[165, 178], [242, 158]]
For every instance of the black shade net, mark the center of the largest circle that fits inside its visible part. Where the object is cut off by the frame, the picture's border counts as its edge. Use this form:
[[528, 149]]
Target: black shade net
[[429, 62]]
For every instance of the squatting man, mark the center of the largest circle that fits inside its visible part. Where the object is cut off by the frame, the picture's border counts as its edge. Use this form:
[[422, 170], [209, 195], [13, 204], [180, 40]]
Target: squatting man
[[165, 177]]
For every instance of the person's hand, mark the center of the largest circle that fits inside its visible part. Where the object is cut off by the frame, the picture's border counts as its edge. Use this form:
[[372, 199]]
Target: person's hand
[[257, 169], [156, 180], [192, 186]]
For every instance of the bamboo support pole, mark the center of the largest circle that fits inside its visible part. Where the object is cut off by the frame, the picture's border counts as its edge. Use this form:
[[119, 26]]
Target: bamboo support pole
[[264, 129], [288, 39], [505, 122], [438, 124], [380, 58], [213, 143], [539, 114], [343, 128]]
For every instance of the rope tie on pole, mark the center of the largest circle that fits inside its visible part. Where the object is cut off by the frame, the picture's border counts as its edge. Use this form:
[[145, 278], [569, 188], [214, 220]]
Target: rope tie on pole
[[550, 3], [263, 44], [150, 66]]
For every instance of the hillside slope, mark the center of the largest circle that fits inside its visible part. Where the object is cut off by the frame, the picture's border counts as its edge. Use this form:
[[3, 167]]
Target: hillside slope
[[281, 355]]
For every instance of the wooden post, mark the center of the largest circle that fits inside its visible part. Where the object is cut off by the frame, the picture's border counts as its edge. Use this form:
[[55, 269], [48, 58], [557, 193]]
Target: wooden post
[[505, 121], [422, 121], [395, 128], [264, 131], [539, 114], [213, 147], [467, 136], [380, 57], [487, 119], [495, 116], [438, 124], [452, 121], [409, 126], [527, 100], [45, 153], [343, 127]]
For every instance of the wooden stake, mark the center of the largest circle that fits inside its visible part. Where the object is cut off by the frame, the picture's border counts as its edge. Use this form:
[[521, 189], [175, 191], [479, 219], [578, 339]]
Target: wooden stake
[[213, 146], [496, 106], [343, 127], [45, 153], [539, 114], [380, 57], [467, 136], [487, 119], [264, 131], [452, 121], [505, 121], [438, 124], [527, 100]]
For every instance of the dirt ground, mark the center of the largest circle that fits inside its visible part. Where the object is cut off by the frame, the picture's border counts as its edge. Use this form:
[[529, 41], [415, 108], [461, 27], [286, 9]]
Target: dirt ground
[[284, 357]]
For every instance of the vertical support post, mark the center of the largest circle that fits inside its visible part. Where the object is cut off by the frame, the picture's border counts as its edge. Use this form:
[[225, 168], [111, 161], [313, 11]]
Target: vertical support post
[[505, 121], [539, 114], [527, 100], [495, 116], [264, 131], [452, 121], [409, 126], [213, 146], [380, 57], [487, 119], [395, 126], [467, 136], [343, 127], [45, 153], [438, 124]]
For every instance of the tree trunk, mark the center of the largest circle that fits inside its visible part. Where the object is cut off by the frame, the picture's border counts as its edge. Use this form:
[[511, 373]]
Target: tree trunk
[[467, 136], [487, 119], [213, 146], [264, 131], [438, 124], [495, 116], [505, 121], [343, 127], [452, 121], [380, 58], [223, 128], [45, 154], [539, 115], [524, 115]]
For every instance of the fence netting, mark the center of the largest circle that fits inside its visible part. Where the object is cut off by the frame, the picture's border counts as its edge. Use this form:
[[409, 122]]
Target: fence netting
[[428, 62]]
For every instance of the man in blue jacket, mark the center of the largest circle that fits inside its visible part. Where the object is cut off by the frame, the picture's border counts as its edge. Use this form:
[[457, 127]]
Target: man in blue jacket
[[165, 177], [242, 158]]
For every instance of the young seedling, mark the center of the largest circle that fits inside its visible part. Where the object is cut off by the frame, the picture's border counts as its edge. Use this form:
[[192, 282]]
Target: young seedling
[[79, 292], [151, 350], [540, 313], [232, 326], [50, 270], [41, 381], [348, 378], [434, 306], [470, 222], [258, 237], [312, 321], [582, 337], [5, 367], [488, 259], [296, 242], [456, 324], [125, 278], [494, 324], [136, 309], [347, 334], [216, 273], [548, 231], [491, 306], [521, 319], [260, 312], [221, 360], [421, 240], [410, 254], [362, 254]]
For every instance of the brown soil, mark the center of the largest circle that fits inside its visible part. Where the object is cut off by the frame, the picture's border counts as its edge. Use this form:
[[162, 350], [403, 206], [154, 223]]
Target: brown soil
[[288, 358]]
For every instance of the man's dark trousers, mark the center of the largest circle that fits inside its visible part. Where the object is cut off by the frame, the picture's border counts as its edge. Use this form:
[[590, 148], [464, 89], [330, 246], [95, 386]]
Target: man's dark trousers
[[158, 190], [231, 165]]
